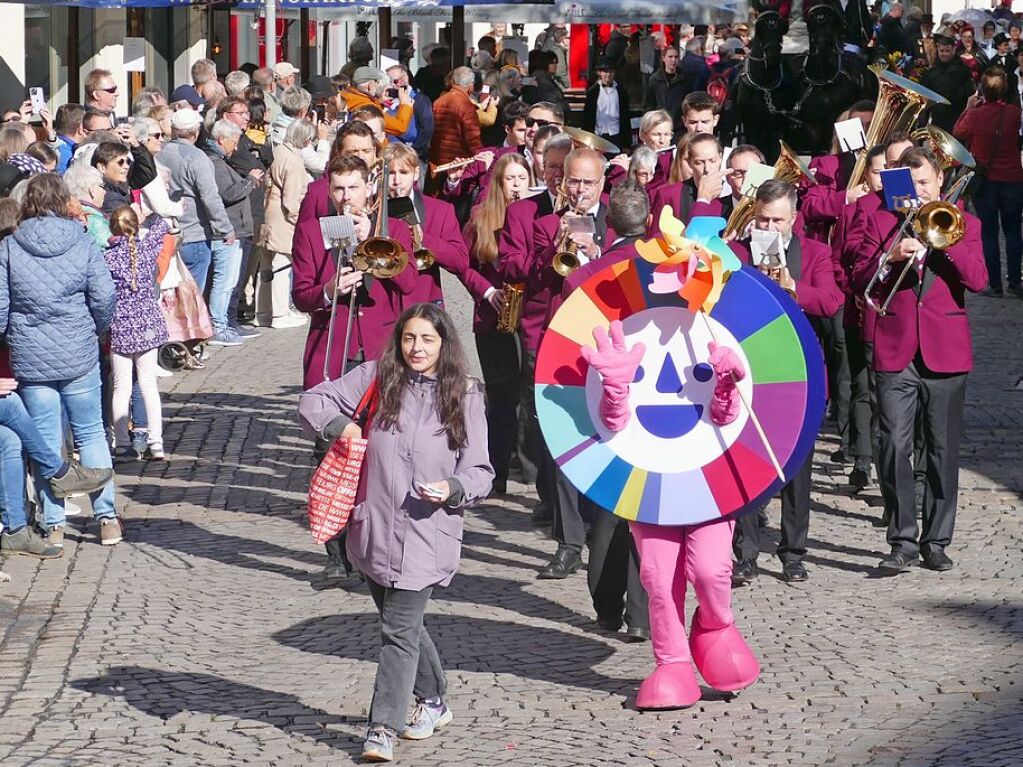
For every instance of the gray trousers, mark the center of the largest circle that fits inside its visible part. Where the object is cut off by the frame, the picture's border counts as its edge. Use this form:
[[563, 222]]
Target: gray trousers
[[409, 664], [940, 399]]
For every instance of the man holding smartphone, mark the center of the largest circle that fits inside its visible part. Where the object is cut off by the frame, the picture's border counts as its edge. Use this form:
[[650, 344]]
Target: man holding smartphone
[[420, 132], [367, 88]]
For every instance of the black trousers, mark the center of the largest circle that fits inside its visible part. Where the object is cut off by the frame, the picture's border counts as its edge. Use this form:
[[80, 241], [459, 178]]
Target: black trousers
[[537, 465], [795, 521], [862, 400], [570, 512], [502, 373], [832, 336], [613, 573], [940, 398]]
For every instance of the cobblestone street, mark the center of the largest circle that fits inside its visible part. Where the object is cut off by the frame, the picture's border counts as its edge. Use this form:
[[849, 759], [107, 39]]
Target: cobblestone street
[[200, 639]]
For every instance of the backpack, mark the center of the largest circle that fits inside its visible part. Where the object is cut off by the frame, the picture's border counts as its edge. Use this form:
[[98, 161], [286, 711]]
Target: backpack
[[718, 88]]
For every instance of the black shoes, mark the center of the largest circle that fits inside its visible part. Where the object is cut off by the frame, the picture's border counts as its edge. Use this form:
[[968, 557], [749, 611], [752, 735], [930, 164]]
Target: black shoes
[[500, 487], [637, 634], [938, 560], [609, 623], [859, 477], [565, 562], [744, 572], [337, 574], [898, 562], [793, 571], [839, 456], [883, 520]]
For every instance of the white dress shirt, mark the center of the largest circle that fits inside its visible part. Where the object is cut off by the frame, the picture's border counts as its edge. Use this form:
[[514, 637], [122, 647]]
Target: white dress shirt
[[608, 118]]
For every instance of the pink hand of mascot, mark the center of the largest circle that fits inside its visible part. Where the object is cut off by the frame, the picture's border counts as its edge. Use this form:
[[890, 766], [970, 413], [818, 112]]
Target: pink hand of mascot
[[672, 557]]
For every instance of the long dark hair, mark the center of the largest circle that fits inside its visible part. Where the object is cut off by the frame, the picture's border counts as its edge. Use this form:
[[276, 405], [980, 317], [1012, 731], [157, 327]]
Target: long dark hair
[[452, 374]]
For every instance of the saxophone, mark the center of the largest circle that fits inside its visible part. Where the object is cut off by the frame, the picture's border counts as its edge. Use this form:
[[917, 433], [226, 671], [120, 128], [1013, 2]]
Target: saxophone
[[510, 315]]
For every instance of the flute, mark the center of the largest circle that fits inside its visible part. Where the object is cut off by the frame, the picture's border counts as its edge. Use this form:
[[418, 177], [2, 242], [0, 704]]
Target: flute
[[437, 169]]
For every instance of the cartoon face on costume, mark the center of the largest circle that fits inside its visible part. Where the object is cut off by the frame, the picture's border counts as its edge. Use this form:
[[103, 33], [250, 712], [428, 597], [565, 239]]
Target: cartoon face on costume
[[670, 429]]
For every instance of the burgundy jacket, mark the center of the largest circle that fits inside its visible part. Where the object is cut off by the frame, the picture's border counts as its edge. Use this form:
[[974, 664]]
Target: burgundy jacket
[[545, 235], [822, 203], [809, 263], [845, 238], [681, 198], [476, 176], [313, 268], [484, 317], [977, 128], [316, 203], [515, 246], [442, 236], [928, 313]]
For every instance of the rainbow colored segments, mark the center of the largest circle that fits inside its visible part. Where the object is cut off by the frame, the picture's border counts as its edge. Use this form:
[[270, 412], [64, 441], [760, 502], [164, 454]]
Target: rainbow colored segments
[[671, 465]]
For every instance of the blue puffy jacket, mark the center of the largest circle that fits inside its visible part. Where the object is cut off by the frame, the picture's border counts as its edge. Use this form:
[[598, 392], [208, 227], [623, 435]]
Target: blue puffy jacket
[[56, 297]]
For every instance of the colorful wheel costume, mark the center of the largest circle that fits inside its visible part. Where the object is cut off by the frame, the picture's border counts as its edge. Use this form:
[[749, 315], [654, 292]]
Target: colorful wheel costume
[[665, 459]]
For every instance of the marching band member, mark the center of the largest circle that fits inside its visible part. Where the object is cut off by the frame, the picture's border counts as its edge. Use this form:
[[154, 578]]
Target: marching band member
[[439, 232], [700, 113], [700, 195], [613, 571], [354, 139], [809, 274], [655, 132], [643, 168], [315, 288], [515, 246], [858, 321], [922, 355], [740, 159], [498, 352], [582, 183], [680, 170]]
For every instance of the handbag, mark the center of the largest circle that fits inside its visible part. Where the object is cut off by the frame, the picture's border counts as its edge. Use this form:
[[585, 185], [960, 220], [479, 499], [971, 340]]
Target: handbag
[[976, 185], [335, 483]]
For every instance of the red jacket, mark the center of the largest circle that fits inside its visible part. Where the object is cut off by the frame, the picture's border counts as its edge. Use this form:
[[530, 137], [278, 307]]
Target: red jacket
[[976, 128], [515, 262], [928, 318], [845, 238], [442, 236], [822, 203], [313, 268], [316, 203], [456, 128], [816, 291]]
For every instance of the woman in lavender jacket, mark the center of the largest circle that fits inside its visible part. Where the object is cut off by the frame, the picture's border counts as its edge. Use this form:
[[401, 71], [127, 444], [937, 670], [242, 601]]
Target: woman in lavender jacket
[[426, 460]]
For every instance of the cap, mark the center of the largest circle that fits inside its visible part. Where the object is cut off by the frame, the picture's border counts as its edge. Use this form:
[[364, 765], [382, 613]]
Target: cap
[[366, 74], [187, 93], [284, 69], [186, 120], [319, 87], [604, 63]]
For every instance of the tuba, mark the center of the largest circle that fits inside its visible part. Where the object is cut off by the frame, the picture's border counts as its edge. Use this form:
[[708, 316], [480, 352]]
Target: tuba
[[788, 167], [900, 102], [378, 254]]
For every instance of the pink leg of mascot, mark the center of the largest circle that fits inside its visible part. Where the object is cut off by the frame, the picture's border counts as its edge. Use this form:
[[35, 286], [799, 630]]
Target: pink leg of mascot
[[673, 557]]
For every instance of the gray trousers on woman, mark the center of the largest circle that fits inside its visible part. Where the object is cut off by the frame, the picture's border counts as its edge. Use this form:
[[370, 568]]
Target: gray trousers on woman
[[409, 664]]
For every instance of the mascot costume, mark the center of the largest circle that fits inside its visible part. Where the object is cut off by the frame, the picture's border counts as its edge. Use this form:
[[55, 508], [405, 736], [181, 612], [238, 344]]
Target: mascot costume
[[678, 390]]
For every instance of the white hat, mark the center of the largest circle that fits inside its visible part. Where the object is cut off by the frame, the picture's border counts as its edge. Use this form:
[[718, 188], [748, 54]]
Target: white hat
[[186, 120], [284, 69]]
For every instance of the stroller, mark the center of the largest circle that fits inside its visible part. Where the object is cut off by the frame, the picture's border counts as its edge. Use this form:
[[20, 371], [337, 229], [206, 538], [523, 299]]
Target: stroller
[[188, 319]]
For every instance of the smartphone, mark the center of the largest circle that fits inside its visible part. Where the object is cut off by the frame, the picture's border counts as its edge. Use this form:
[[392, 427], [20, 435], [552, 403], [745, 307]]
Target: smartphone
[[391, 93], [427, 491], [484, 91], [35, 95], [125, 120]]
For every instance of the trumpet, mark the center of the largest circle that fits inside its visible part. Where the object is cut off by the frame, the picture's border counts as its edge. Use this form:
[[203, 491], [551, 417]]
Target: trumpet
[[938, 224], [422, 257], [379, 254], [566, 253]]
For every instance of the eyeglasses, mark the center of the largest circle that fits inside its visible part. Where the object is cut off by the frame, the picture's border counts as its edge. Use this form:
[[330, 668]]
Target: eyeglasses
[[583, 183], [245, 112], [157, 136], [532, 122]]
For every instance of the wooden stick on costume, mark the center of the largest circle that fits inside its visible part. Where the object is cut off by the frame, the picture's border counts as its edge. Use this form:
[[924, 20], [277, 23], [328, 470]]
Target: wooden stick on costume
[[695, 266]]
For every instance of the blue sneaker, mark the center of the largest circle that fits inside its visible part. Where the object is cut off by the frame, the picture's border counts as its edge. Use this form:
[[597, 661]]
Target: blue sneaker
[[430, 715], [226, 337], [379, 745], [245, 332]]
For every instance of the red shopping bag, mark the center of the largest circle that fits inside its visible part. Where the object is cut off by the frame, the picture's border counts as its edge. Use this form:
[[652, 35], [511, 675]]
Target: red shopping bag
[[335, 483]]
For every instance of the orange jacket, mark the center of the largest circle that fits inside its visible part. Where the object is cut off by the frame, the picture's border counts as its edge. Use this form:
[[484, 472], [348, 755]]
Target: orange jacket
[[456, 128], [395, 124]]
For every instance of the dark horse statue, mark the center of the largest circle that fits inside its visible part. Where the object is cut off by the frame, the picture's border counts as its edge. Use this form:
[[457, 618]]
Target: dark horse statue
[[798, 97]]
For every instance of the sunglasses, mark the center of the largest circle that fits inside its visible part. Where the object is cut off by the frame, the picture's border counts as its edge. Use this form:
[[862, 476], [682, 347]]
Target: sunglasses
[[124, 162], [112, 89], [532, 122], [157, 136]]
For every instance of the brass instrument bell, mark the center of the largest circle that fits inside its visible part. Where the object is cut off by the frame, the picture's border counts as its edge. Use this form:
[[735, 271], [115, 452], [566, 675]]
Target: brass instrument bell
[[379, 254]]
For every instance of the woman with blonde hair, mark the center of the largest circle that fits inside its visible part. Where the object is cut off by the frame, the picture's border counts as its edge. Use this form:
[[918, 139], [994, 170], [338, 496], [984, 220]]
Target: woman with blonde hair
[[680, 170], [498, 352]]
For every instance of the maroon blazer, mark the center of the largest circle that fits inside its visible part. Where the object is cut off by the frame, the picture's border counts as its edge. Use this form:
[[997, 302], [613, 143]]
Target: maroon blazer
[[681, 198], [822, 203], [928, 313], [477, 175], [809, 263], [313, 268], [316, 203], [484, 317], [442, 236], [845, 238], [545, 235], [515, 246]]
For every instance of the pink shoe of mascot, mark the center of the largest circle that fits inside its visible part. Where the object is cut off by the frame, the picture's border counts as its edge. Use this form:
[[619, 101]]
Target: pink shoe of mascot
[[671, 558]]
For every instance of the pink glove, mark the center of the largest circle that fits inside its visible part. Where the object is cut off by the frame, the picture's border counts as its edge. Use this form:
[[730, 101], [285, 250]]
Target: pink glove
[[724, 407], [617, 367]]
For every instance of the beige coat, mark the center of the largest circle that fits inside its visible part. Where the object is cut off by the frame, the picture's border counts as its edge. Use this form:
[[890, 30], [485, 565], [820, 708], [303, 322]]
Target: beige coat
[[288, 183]]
